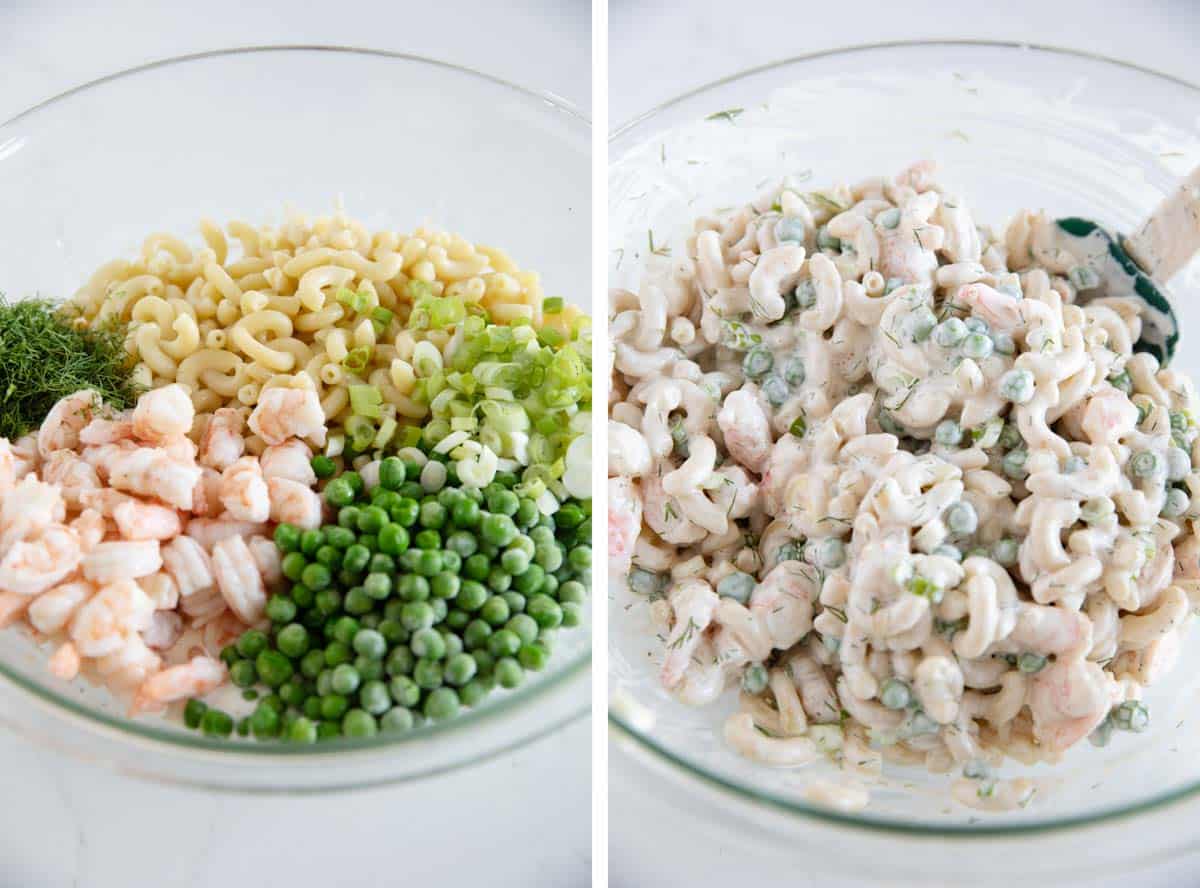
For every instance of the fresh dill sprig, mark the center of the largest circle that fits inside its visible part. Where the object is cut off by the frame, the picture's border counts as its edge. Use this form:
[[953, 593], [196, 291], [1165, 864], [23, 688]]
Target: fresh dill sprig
[[44, 357]]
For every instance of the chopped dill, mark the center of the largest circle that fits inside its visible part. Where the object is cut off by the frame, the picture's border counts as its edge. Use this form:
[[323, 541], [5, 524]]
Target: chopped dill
[[44, 358], [729, 114]]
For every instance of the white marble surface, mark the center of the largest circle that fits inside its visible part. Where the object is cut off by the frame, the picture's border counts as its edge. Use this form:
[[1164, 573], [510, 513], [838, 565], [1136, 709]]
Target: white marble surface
[[523, 819], [661, 48]]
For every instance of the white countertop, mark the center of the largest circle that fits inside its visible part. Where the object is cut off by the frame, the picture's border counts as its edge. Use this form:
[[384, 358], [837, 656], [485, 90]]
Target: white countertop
[[522, 819], [659, 49]]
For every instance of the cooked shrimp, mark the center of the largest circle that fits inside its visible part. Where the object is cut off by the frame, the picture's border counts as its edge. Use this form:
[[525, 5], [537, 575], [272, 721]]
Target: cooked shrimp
[[33, 566], [1051, 630], [203, 606], [187, 563], [162, 414], [105, 623], [294, 503], [111, 562], [284, 413], [90, 526], [101, 456], [29, 509], [238, 579], [51, 611], [70, 474], [8, 466], [244, 492], [66, 419], [195, 678], [129, 665], [104, 500], [149, 471], [161, 589], [210, 531], [1068, 700], [223, 444], [292, 460], [64, 662], [745, 427], [268, 560], [106, 431], [12, 608], [693, 602], [146, 521], [783, 602], [206, 495], [624, 522], [220, 631], [164, 630]]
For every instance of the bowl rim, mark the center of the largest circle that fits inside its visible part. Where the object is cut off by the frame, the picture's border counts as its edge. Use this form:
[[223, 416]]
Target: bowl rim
[[146, 736], [644, 745]]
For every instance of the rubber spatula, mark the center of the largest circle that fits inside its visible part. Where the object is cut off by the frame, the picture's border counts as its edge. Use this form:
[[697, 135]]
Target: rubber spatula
[[1140, 265]]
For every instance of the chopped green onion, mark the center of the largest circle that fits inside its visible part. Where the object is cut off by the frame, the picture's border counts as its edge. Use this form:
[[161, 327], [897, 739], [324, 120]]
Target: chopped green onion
[[357, 359], [553, 305], [365, 400]]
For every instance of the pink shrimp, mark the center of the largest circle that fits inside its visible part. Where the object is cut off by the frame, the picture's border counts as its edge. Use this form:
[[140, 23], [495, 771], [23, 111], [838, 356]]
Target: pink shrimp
[[64, 662], [1068, 699], [70, 474], [694, 602], [104, 624], [104, 500], [101, 456], [106, 431], [204, 606], [8, 466], [32, 566], [188, 564], [51, 611], [294, 503], [147, 521], [222, 443], [129, 665], [284, 413], [238, 579], [624, 523], [244, 492], [161, 589], [90, 526], [664, 514], [783, 602], [30, 508], [162, 414], [268, 560], [210, 531], [293, 460], [197, 677], [66, 419], [206, 495], [149, 471], [12, 608], [112, 562], [1047, 629], [164, 630], [746, 428], [1108, 416]]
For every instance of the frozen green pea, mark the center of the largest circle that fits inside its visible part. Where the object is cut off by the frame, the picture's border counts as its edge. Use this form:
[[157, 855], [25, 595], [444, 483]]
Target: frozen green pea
[[754, 679], [949, 333], [830, 553], [921, 323], [1013, 463], [793, 371], [947, 551], [1003, 344], [737, 585], [894, 693], [1145, 464], [1132, 715], [1017, 386], [757, 363], [888, 219], [775, 390], [1179, 464], [806, 293], [948, 433], [1096, 509], [1176, 504], [1005, 551], [977, 325], [1029, 662], [977, 346], [790, 229], [1074, 464], [961, 518]]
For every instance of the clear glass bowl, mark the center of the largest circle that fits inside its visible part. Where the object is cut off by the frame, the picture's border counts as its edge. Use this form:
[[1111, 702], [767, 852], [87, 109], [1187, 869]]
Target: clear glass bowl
[[1011, 127], [245, 134]]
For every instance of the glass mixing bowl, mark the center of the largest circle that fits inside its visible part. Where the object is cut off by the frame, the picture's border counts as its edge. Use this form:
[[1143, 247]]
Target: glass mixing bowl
[[246, 134], [1010, 127]]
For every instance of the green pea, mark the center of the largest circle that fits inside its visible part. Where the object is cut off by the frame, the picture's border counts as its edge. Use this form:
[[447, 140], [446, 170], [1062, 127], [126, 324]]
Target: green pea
[[216, 723], [527, 513], [428, 644], [412, 490], [572, 592], [462, 544], [499, 530], [428, 674], [550, 558], [545, 611], [345, 679], [273, 668], [336, 653], [504, 643], [348, 517], [404, 690], [533, 657], [572, 614], [460, 669], [311, 663], [400, 661], [251, 643], [356, 558], [499, 580], [378, 586], [302, 730], [451, 561], [293, 691], [374, 697], [495, 611], [339, 492], [287, 538], [440, 609], [396, 720], [429, 563], [476, 567], [457, 619], [372, 519], [514, 562], [509, 672], [433, 515], [393, 539], [264, 722], [525, 627], [413, 588], [580, 557], [441, 704], [392, 473], [293, 565], [530, 581], [316, 577], [445, 585], [405, 511], [359, 723], [570, 515], [428, 540], [476, 634], [370, 644], [292, 641], [473, 692], [193, 712]]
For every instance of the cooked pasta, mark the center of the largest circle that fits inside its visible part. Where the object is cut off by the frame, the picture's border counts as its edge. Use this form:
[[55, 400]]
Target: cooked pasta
[[319, 303], [878, 465]]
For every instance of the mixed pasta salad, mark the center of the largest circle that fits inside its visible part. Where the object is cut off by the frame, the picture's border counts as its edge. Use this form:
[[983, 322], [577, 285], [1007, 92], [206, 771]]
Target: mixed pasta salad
[[350, 490], [900, 481]]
